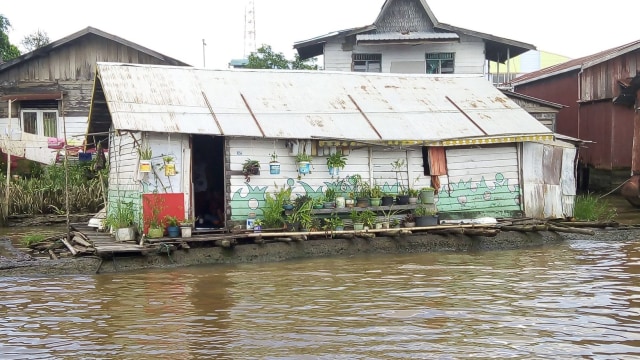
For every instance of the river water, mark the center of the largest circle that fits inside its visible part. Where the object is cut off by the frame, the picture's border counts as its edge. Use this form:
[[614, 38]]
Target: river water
[[578, 299]]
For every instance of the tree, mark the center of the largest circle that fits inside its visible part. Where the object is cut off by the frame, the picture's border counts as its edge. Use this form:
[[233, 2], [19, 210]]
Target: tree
[[266, 58], [36, 40], [8, 51]]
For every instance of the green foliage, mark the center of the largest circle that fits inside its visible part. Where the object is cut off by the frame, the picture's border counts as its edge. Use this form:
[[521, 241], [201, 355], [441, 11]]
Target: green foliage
[[368, 218], [171, 220], [590, 207], [303, 157], [337, 160], [301, 213], [122, 215], [273, 212], [8, 51], [424, 211], [43, 189], [36, 40], [145, 153], [266, 58], [30, 239], [376, 192], [330, 195], [332, 222]]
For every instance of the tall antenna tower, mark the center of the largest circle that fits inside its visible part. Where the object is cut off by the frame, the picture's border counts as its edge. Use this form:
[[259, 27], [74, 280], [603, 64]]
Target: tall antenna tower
[[249, 28]]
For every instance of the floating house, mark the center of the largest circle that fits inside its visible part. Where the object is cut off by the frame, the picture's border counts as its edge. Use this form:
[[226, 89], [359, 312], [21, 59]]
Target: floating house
[[484, 154]]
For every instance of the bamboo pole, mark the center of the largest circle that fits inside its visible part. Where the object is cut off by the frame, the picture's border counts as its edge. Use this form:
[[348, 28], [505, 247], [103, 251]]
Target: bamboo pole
[[5, 210], [66, 167]]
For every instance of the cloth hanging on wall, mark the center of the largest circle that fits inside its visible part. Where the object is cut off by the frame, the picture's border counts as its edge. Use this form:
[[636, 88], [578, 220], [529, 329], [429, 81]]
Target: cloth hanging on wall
[[437, 165]]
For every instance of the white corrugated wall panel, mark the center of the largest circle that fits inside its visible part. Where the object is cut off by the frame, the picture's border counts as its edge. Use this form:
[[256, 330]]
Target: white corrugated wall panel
[[336, 59], [532, 179]]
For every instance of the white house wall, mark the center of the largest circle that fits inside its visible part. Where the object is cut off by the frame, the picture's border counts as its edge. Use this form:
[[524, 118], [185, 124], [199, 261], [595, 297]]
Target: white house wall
[[481, 181], [469, 54], [371, 163], [123, 164]]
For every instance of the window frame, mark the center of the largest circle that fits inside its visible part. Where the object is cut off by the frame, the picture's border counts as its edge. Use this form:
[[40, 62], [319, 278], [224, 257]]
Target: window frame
[[441, 58], [42, 129], [368, 59]]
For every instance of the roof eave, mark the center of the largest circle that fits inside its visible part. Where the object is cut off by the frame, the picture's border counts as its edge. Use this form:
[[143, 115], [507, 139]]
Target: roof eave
[[545, 76]]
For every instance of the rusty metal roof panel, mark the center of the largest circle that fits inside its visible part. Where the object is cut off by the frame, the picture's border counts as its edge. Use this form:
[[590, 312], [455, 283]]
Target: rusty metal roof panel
[[309, 104]]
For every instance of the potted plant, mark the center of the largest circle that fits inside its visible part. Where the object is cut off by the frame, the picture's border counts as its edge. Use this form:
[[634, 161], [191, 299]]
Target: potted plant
[[358, 225], [173, 227], [399, 167], [368, 218], [409, 220], [329, 198], [318, 202], [387, 217], [300, 217], [336, 162], [250, 167], [153, 221], [386, 200], [375, 195], [121, 218], [257, 225], [185, 228], [274, 164], [273, 214], [427, 195], [425, 216], [168, 165], [333, 223], [145, 159], [413, 195], [304, 163]]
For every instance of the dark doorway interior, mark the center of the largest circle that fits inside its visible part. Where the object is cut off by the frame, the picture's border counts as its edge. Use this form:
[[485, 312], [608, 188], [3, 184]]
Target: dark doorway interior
[[208, 181]]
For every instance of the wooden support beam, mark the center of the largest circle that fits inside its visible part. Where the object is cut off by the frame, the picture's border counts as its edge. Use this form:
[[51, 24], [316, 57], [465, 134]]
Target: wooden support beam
[[66, 243]]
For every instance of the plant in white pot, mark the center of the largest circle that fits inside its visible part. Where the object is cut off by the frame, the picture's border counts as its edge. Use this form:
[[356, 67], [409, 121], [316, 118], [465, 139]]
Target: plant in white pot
[[121, 218], [186, 227]]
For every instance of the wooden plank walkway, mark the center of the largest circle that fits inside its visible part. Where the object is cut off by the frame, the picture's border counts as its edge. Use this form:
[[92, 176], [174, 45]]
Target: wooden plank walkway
[[104, 243]]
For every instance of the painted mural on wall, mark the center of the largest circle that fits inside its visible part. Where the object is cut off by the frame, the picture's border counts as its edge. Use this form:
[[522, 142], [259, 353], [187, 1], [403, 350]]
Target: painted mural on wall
[[495, 198]]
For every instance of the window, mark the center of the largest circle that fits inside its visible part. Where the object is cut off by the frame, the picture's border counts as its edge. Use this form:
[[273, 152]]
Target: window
[[440, 63], [40, 122], [367, 62]]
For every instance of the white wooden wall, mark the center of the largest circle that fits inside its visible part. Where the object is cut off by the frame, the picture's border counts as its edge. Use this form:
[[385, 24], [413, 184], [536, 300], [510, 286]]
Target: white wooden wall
[[371, 163], [123, 165], [469, 54], [484, 180]]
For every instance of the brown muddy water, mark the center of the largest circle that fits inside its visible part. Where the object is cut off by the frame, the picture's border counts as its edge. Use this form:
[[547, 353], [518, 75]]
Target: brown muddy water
[[577, 299]]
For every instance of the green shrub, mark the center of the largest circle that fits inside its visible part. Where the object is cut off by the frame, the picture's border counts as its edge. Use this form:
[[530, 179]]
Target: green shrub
[[31, 239], [590, 207]]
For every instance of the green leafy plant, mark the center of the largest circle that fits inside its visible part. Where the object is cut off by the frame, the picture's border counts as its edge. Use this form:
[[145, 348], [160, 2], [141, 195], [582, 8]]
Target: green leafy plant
[[145, 153], [376, 191], [156, 204], [273, 213], [31, 239], [337, 160], [301, 213], [590, 207], [330, 195], [409, 218], [303, 157], [424, 211], [331, 223], [368, 218], [171, 220], [413, 192], [274, 157], [250, 167], [122, 215]]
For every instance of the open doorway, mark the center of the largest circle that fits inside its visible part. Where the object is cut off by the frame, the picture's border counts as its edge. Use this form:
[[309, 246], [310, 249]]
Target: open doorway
[[208, 181]]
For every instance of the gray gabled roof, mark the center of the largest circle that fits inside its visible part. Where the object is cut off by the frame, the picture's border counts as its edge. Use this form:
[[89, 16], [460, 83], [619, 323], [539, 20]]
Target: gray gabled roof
[[498, 49], [84, 32], [286, 104]]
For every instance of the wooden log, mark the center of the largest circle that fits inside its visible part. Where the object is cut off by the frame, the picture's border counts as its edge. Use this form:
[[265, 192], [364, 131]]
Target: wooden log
[[66, 243], [79, 234], [591, 224], [283, 239], [81, 241], [365, 235], [53, 255], [481, 232], [571, 230]]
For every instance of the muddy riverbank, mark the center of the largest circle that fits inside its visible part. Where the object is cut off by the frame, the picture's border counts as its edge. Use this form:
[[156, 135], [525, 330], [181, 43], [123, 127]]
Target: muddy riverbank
[[20, 264]]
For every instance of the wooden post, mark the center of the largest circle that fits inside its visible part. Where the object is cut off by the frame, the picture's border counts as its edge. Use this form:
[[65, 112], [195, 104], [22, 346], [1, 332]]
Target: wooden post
[[5, 210]]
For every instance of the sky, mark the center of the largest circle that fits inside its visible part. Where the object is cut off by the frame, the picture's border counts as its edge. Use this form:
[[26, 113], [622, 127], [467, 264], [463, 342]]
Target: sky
[[572, 28]]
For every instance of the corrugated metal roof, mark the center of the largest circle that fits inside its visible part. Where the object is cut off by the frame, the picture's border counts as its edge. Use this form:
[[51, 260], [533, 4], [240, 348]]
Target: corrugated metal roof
[[576, 64], [418, 35], [308, 104]]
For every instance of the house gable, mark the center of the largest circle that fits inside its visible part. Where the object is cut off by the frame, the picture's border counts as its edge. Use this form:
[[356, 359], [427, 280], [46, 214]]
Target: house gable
[[404, 16]]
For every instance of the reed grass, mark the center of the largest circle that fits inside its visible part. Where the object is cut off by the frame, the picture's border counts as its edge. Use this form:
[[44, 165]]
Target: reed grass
[[45, 194], [590, 207]]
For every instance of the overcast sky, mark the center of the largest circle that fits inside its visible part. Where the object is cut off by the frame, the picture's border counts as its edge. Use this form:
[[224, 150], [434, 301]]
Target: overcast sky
[[572, 28]]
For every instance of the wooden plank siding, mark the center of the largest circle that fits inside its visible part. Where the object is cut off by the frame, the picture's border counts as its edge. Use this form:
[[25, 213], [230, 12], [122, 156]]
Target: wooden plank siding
[[481, 181], [123, 160], [469, 54], [371, 163]]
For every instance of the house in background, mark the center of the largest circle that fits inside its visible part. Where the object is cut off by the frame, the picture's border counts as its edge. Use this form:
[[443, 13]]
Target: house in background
[[48, 90], [457, 133], [602, 93], [407, 38], [530, 61]]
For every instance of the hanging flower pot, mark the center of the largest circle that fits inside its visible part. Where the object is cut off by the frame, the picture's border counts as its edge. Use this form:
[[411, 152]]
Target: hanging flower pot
[[274, 168], [334, 171], [304, 167], [145, 166]]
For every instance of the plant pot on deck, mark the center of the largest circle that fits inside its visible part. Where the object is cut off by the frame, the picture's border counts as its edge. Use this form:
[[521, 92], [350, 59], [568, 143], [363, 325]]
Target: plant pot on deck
[[185, 231], [386, 201], [125, 234], [429, 220], [155, 232], [403, 199], [427, 196], [174, 231]]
